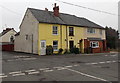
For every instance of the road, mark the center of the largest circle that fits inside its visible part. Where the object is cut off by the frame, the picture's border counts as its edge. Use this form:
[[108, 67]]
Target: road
[[29, 67]]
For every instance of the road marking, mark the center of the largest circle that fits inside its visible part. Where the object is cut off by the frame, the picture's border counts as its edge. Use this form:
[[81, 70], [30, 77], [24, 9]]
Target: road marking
[[101, 62], [43, 69], [106, 55], [84, 74], [18, 74], [10, 60], [3, 75], [114, 61], [113, 55], [35, 72], [29, 58], [76, 65], [59, 68], [15, 72], [48, 70], [69, 66], [108, 61], [94, 63], [30, 70]]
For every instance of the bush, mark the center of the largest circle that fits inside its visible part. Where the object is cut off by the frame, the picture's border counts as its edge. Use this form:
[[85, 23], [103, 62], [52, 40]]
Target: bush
[[49, 50], [60, 51], [66, 52], [75, 50]]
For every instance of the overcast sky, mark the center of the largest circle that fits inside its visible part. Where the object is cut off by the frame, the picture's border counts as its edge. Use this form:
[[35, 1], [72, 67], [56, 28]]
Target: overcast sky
[[12, 11]]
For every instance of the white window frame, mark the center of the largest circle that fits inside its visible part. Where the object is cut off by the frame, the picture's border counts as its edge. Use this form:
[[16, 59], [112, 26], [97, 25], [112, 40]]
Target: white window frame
[[91, 30], [94, 42], [53, 30], [55, 46]]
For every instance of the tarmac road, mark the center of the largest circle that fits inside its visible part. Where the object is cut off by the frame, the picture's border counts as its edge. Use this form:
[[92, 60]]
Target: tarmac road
[[72, 67]]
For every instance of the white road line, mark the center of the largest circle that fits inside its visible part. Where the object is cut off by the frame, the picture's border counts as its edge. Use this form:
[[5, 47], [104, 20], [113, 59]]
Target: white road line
[[29, 59], [3, 75], [18, 74], [15, 72], [10, 60], [36, 72], [114, 61], [43, 69], [69, 66], [59, 68], [101, 62], [84, 74], [94, 63], [108, 61], [48, 70], [76, 65], [106, 55], [30, 70]]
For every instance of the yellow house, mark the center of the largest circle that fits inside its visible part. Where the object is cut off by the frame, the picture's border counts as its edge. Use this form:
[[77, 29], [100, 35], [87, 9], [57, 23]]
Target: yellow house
[[41, 28]]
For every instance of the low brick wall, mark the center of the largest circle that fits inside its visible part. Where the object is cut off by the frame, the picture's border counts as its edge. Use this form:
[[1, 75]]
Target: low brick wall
[[8, 47]]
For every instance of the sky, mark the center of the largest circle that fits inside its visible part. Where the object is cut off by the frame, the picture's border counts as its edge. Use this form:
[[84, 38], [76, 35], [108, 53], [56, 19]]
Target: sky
[[13, 11]]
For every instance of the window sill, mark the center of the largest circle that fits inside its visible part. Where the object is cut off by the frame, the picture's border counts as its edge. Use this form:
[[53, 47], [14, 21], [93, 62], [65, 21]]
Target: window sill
[[55, 50]]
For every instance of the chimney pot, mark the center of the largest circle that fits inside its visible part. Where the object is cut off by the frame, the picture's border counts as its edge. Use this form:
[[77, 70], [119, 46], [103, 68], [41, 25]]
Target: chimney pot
[[55, 4], [56, 10], [46, 9]]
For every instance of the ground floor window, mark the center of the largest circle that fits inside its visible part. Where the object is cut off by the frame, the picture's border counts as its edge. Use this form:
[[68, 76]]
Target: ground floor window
[[94, 44], [55, 45]]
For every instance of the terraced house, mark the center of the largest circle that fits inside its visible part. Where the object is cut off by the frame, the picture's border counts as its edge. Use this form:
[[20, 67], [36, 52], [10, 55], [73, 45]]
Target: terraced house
[[40, 28]]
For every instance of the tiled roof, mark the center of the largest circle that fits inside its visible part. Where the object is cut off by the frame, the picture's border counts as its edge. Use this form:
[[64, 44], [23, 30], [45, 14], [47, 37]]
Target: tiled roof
[[66, 19]]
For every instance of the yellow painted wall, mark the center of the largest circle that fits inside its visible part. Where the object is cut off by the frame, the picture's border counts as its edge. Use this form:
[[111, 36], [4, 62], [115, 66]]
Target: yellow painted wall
[[45, 33]]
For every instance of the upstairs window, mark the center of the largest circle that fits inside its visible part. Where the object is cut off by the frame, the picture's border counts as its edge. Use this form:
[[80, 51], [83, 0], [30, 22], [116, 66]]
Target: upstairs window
[[71, 31], [100, 31], [94, 44], [55, 45], [90, 30], [11, 39], [55, 30]]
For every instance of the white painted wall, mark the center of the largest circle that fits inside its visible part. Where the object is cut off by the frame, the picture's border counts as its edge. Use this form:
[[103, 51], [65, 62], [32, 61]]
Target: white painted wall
[[6, 37], [28, 27]]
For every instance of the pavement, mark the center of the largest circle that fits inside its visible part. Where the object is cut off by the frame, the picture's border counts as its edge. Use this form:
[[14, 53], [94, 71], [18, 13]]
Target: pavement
[[81, 67]]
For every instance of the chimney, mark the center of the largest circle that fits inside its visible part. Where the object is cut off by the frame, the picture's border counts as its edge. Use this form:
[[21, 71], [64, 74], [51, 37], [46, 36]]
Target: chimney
[[56, 10], [46, 9]]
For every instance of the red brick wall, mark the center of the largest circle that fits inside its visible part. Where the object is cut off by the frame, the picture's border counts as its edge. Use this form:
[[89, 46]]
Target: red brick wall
[[100, 49], [9, 47]]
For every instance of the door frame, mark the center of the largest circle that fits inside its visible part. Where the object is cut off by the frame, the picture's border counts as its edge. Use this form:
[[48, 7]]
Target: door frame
[[43, 48]]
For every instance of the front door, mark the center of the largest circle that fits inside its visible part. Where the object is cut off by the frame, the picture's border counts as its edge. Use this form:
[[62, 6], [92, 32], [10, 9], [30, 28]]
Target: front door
[[71, 44], [43, 47]]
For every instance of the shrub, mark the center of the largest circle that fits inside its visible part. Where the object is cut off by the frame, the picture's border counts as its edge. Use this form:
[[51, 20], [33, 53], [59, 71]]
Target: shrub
[[75, 50], [49, 50], [66, 51], [60, 51]]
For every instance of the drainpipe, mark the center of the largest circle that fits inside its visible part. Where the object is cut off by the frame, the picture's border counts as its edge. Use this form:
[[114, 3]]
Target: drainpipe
[[32, 43], [66, 38], [61, 35]]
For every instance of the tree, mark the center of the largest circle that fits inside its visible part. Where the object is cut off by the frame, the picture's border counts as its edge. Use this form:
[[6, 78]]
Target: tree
[[111, 37]]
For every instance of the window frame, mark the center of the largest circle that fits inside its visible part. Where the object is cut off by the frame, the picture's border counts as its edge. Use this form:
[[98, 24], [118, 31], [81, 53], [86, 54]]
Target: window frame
[[55, 46], [101, 31], [91, 30], [53, 30], [94, 42], [71, 31]]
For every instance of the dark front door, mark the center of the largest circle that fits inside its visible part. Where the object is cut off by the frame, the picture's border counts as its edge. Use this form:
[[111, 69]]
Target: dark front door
[[71, 44]]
